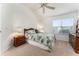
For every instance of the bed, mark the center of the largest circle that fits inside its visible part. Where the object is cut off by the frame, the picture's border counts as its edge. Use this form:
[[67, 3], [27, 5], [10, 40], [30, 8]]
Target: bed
[[45, 41]]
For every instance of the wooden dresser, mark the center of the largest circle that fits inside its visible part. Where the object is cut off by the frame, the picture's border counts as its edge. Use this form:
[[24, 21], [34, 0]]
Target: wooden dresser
[[74, 39], [77, 38], [74, 42], [19, 40], [77, 44]]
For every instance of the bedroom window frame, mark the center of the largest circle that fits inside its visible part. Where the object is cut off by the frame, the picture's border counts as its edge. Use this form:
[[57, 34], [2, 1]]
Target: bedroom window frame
[[63, 25]]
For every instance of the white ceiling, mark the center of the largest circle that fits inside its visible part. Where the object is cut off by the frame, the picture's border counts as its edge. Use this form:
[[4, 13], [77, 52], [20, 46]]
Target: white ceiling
[[60, 8]]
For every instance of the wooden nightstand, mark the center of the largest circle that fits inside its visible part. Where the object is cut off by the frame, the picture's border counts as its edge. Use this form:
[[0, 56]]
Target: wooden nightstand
[[19, 40]]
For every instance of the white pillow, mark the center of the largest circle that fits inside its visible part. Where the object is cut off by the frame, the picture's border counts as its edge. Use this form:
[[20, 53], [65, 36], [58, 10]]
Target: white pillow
[[30, 31]]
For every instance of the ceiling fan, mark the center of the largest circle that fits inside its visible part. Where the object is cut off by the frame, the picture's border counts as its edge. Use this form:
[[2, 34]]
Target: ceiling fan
[[45, 5]]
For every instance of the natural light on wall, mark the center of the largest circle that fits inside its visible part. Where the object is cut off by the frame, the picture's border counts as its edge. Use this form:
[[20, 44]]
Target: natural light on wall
[[40, 28], [18, 29]]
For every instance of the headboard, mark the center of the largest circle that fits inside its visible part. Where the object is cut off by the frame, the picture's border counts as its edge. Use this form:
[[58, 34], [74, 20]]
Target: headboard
[[30, 29]]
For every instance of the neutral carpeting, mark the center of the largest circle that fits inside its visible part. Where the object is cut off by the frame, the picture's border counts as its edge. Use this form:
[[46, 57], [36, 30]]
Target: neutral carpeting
[[61, 48]]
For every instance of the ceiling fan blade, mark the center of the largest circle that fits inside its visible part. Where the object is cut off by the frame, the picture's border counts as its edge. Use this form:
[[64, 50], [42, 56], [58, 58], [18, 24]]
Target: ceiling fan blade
[[43, 4], [50, 7]]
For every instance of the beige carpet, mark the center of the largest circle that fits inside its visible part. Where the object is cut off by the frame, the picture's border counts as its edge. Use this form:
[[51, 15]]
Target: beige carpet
[[61, 48]]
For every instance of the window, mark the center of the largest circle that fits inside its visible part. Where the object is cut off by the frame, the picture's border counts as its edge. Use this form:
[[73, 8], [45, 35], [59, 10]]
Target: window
[[62, 25]]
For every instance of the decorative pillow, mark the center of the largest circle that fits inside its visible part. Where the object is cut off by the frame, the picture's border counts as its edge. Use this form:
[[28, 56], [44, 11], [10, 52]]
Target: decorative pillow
[[30, 31]]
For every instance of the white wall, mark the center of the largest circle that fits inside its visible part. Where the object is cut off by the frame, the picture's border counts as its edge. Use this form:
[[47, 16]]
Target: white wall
[[7, 25], [24, 18], [78, 14]]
